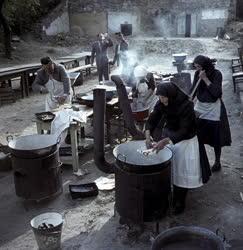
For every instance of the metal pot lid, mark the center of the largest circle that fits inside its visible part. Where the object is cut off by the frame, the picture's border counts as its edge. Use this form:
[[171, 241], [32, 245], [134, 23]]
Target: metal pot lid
[[33, 142], [179, 55], [130, 153]]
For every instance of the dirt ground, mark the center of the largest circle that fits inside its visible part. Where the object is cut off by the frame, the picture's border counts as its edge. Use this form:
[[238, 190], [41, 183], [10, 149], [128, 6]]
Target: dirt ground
[[90, 223]]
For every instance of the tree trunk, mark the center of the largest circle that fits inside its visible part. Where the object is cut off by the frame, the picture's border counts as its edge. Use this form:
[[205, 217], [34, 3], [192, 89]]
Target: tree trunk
[[6, 30]]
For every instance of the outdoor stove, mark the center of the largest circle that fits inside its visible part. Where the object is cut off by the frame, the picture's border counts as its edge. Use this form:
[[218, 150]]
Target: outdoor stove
[[179, 61]]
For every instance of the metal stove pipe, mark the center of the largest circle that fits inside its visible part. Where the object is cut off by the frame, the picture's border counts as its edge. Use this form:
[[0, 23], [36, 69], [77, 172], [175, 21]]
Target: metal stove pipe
[[99, 132], [126, 108]]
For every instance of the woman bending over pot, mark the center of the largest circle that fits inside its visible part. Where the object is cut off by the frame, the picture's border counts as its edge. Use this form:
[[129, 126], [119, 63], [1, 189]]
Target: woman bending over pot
[[190, 165]]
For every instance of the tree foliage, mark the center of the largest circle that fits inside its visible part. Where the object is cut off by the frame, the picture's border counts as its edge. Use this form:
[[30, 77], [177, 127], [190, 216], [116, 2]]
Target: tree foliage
[[21, 14]]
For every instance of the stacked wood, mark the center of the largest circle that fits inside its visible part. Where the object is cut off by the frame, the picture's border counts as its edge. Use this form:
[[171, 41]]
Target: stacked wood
[[7, 95]]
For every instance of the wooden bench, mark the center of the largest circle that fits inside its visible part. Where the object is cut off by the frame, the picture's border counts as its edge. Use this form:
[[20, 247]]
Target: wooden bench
[[237, 78], [81, 68], [237, 63]]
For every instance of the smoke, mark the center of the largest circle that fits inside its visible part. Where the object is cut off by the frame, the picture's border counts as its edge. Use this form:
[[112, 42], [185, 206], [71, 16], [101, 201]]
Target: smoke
[[162, 25]]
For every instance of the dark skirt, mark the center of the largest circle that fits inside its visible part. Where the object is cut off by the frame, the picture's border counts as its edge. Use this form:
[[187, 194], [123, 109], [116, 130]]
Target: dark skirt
[[204, 163], [215, 133], [208, 132]]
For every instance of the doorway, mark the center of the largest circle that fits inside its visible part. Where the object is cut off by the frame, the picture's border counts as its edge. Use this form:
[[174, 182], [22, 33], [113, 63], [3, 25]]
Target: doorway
[[188, 25], [239, 10]]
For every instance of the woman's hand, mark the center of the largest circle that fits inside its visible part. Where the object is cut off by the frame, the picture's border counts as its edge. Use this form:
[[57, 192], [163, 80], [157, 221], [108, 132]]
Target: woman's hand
[[148, 140], [149, 143], [161, 144], [61, 99], [202, 75]]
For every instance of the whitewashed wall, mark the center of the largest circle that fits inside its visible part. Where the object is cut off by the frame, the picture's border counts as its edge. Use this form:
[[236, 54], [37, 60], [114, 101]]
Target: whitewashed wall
[[214, 14]]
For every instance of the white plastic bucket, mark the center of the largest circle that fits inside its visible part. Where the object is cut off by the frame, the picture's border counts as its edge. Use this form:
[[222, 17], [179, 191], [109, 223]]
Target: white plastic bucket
[[49, 238]]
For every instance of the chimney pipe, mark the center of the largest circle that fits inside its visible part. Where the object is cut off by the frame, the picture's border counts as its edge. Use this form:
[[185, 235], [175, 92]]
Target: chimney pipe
[[126, 108], [99, 132]]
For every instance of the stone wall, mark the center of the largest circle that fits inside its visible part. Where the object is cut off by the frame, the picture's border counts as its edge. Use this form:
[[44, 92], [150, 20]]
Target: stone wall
[[161, 18]]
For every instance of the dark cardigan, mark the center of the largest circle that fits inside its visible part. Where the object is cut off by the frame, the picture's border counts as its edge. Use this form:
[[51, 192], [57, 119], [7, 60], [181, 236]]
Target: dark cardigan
[[179, 119], [178, 122], [211, 93]]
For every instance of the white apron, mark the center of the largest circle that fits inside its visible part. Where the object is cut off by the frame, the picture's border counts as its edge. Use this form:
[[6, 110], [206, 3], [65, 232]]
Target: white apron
[[208, 111], [186, 169], [55, 89]]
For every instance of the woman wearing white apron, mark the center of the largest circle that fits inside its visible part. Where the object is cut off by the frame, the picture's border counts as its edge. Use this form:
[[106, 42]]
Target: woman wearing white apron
[[212, 123], [53, 79], [178, 130], [144, 92]]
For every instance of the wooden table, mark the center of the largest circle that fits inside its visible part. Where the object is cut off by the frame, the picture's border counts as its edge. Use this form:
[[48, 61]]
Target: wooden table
[[8, 74], [74, 59]]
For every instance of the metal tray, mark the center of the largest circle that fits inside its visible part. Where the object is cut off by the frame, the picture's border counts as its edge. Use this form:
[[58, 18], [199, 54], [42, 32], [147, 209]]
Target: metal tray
[[83, 190]]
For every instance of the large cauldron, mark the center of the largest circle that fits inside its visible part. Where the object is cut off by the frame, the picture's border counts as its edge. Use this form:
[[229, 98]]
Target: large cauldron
[[126, 29], [188, 238], [142, 182], [36, 165], [33, 146]]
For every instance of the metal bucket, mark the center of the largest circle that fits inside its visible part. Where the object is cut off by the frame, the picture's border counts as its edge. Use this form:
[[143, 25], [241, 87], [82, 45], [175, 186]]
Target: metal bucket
[[188, 238], [48, 238]]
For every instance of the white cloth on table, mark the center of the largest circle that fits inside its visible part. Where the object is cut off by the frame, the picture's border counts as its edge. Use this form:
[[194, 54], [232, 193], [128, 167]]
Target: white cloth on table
[[186, 169], [63, 118]]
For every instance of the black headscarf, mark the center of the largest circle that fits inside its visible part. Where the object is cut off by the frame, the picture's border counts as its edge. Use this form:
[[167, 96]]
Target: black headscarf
[[205, 62], [166, 89], [170, 90]]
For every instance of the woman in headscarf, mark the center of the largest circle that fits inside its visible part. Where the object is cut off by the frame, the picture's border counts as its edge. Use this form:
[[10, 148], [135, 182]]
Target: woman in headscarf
[[190, 165], [212, 123]]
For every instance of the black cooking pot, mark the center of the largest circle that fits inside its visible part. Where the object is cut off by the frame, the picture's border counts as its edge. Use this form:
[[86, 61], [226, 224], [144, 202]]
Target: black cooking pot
[[126, 29], [88, 100], [130, 158], [188, 237], [33, 146]]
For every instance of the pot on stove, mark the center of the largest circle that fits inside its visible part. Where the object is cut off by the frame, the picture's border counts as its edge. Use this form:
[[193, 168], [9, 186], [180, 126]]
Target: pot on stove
[[33, 146], [129, 157]]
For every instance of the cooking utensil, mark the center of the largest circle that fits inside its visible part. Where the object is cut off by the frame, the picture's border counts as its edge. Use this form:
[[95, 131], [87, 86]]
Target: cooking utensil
[[83, 190], [45, 116], [146, 152]]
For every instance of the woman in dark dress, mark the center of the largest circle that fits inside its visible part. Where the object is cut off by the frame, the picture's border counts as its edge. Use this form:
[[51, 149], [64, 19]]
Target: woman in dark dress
[[212, 123], [189, 164]]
